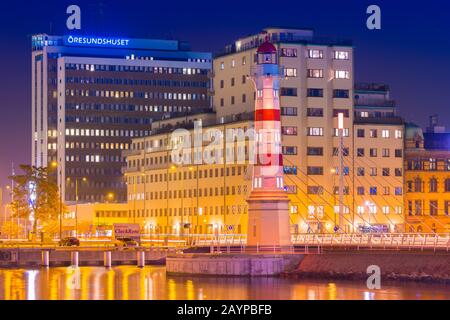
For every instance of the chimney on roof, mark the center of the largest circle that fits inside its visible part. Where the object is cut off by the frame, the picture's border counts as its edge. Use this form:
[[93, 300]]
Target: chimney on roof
[[434, 126]]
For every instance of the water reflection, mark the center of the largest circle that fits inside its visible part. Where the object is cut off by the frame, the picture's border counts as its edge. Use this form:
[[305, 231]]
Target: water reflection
[[151, 283]]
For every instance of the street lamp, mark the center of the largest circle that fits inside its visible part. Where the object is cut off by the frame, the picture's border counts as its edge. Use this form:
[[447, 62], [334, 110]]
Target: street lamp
[[84, 179], [110, 196]]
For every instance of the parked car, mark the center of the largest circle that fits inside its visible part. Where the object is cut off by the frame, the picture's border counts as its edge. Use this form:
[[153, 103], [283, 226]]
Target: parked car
[[69, 242], [125, 243]]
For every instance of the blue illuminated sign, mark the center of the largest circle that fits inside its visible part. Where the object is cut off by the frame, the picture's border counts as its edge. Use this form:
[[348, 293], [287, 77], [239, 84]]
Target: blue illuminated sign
[[96, 41], [112, 42]]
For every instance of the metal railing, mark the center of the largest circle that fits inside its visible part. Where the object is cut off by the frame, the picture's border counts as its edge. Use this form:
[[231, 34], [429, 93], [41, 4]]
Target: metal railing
[[376, 240]]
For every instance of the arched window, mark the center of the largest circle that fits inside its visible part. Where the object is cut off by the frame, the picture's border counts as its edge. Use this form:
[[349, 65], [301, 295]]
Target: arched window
[[433, 185], [447, 185], [418, 185]]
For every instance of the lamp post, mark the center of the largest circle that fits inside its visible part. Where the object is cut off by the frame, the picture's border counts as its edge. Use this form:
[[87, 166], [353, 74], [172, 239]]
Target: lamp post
[[54, 165], [84, 179]]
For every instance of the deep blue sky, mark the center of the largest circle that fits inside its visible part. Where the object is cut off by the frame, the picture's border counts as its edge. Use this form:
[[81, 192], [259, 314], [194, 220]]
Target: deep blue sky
[[411, 52]]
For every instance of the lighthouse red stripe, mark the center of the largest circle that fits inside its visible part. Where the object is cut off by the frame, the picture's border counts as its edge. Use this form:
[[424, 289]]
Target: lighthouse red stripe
[[269, 160], [267, 115]]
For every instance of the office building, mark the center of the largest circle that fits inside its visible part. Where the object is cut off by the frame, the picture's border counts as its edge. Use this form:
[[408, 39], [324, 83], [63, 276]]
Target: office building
[[92, 95]]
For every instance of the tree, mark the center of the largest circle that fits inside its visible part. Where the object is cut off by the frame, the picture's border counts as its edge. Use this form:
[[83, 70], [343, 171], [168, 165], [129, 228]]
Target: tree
[[11, 229], [36, 196]]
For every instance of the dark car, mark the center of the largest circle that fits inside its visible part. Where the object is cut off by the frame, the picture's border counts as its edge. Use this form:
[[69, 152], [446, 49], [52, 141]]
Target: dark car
[[125, 243], [69, 242]]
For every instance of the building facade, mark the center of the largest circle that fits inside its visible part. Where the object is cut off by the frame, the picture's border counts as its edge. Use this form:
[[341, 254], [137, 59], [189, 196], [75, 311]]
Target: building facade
[[316, 87], [427, 181], [91, 96]]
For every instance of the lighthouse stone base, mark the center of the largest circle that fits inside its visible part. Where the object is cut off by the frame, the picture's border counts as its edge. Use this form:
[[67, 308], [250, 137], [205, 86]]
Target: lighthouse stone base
[[268, 219]]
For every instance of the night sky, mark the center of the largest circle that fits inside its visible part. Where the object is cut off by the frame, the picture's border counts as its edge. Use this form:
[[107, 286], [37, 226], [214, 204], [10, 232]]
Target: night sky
[[411, 52]]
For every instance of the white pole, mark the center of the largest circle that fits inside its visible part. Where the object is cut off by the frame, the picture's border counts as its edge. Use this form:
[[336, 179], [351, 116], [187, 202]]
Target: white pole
[[45, 258], [341, 170]]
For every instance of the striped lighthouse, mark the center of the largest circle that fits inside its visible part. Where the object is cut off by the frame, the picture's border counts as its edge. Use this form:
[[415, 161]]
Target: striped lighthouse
[[268, 214]]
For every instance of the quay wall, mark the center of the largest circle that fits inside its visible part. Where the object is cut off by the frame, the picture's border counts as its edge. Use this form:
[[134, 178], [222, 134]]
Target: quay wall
[[231, 264], [394, 265]]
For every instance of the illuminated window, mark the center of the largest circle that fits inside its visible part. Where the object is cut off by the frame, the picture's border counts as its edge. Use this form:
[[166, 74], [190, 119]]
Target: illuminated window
[[315, 73], [315, 54], [341, 55], [341, 74]]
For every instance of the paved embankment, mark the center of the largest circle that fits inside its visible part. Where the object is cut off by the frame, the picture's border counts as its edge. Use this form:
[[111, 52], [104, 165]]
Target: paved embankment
[[13, 258], [395, 265]]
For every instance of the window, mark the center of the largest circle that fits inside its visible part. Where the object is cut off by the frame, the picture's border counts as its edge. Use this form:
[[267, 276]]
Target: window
[[385, 152], [315, 151], [344, 151], [290, 72], [341, 55], [447, 207], [360, 133], [373, 133], [433, 185], [337, 111], [289, 131], [290, 170], [386, 172], [385, 133], [315, 73], [447, 185], [315, 171], [314, 92], [373, 152], [360, 152], [288, 111], [360, 171], [232, 82], [386, 209], [386, 191], [292, 92], [315, 190], [398, 172], [373, 191], [345, 132], [221, 84], [398, 153], [398, 134], [432, 164], [373, 172], [340, 93], [341, 74], [315, 131], [289, 150], [398, 191], [222, 65], [315, 54], [288, 52], [417, 185], [433, 208], [360, 191], [314, 112]]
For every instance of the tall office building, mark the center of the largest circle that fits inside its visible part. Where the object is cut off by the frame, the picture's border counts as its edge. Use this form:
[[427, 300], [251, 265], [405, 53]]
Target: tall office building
[[92, 95]]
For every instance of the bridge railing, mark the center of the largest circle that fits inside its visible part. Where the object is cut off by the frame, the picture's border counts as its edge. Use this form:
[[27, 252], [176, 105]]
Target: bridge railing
[[378, 240]]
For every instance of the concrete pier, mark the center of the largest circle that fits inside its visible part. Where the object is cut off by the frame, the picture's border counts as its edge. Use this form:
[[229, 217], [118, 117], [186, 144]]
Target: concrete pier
[[107, 259], [74, 258], [45, 258], [231, 264]]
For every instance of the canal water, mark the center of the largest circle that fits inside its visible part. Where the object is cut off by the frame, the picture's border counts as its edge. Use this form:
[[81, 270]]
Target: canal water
[[152, 283]]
